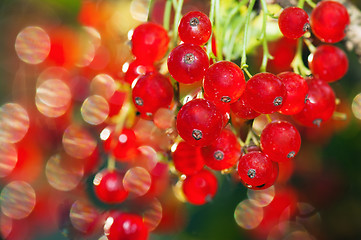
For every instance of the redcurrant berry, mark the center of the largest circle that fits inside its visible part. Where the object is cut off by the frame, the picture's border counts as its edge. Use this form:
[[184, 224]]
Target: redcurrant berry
[[297, 89], [149, 42], [329, 20], [241, 109], [265, 93], [255, 169], [329, 63], [280, 140], [200, 188], [123, 146], [195, 27], [320, 104], [293, 22], [151, 92], [199, 122], [224, 152], [108, 187], [188, 63], [187, 159], [137, 68], [224, 82], [270, 182]]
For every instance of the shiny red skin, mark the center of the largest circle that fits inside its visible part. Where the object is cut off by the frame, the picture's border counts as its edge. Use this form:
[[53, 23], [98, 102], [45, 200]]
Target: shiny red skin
[[329, 20], [281, 141], [200, 188], [187, 159], [241, 109], [270, 182], [329, 63], [198, 33], [202, 115], [127, 226], [319, 106], [187, 63], [262, 92], [108, 187], [224, 82], [123, 146], [223, 108], [226, 148], [293, 22], [261, 165], [149, 42], [154, 90], [116, 102], [297, 89], [137, 68]]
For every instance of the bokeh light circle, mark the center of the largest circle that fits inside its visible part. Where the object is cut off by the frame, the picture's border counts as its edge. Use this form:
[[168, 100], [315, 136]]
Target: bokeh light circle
[[14, 122], [83, 216], [356, 106], [32, 45], [153, 215], [95, 110], [6, 225], [63, 177], [17, 199], [137, 180], [78, 142], [103, 85], [8, 158], [263, 197], [247, 215]]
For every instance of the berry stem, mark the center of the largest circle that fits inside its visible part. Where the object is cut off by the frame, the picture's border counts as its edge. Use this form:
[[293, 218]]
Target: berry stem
[[245, 36], [150, 9], [240, 25], [297, 63], [266, 54], [301, 3], [166, 17], [312, 4], [177, 17], [247, 72], [211, 18], [310, 46], [219, 44], [269, 118], [339, 116]]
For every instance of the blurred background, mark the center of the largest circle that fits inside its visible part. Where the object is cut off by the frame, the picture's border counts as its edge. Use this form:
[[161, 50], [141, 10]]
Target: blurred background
[[56, 56]]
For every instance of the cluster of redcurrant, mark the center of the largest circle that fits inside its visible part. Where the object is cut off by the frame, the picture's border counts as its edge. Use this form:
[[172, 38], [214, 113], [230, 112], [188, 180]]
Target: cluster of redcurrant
[[206, 141]]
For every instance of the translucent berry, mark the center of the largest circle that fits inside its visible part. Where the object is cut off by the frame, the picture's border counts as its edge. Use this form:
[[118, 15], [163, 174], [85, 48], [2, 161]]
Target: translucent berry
[[329, 63], [265, 93], [199, 122], [123, 146], [329, 20], [297, 89], [126, 226], [280, 140], [224, 82], [200, 188], [187, 63], [187, 159], [108, 187], [270, 182], [222, 153], [255, 168], [195, 27], [293, 22], [137, 68], [151, 92], [149, 42], [241, 109], [320, 104]]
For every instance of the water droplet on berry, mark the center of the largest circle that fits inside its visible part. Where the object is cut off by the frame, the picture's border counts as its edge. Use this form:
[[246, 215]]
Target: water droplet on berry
[[139, 101], [251, 173], [197, 134], [194, 22], [277, 101], [317, 122], [291, 154], [189, 58], [218, 155], [225, 99]]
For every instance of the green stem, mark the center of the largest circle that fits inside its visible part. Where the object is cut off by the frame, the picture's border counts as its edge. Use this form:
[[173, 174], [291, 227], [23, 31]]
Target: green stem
[[219, 41], [266, 54], [297, 63], [310, 46], [211, 18], [167, 12], [177, 17], [245, 38], [312, 4], [240, 25], [301, 3], [150, 9]]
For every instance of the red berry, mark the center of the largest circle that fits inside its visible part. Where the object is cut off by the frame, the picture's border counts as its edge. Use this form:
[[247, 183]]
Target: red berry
[[195, 27], [151, 92], [200, 188], [222, 153], [329, 20], [242, 109], [293, 22], [270, 182], [123, 146], [108, 187], [126, 226], [187, 159], [224, 82], [149, 42], [137, 68], [280, 140], [297, 89], [329, 63], [265, 93], [188, 63], [199, 122], [320, 104], [255, 169]]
